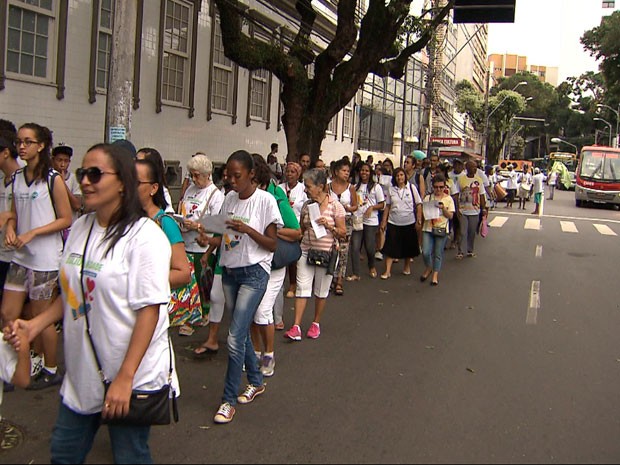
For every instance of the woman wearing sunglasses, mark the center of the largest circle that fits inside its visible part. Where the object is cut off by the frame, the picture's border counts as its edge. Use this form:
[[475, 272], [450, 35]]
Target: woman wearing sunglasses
[[435, 232], [41, 211], [106, 254]]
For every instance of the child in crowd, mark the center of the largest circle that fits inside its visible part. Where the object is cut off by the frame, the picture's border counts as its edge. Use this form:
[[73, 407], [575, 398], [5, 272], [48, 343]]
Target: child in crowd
[[14, 362]]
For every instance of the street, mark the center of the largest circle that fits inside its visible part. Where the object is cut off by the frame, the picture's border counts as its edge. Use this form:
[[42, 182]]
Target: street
[[514, 358]]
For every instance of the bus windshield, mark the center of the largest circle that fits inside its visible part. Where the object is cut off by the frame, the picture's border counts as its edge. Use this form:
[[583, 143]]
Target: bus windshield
[[600, 166]]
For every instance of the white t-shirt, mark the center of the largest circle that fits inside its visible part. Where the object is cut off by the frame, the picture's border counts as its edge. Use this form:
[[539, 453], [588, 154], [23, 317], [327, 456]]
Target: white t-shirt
[[258, 211], [538, 181], [8, 365], [512, 180], [194, 206], [74, 187], [35, 208], [6, 198], [366, 199], [402, 204], [296, 196], [132, 276], [553, 178]]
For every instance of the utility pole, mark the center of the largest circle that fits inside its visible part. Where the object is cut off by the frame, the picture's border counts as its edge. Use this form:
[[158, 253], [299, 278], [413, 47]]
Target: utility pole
[[120, 81]]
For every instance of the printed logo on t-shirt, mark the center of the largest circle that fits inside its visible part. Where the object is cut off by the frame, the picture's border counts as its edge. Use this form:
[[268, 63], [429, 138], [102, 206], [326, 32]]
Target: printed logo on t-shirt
[[232, 242], [79, 308]]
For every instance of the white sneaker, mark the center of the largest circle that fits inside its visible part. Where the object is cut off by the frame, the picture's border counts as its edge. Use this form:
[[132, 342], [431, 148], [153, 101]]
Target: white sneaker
[[36, 363], [268, 366], [378, 256]]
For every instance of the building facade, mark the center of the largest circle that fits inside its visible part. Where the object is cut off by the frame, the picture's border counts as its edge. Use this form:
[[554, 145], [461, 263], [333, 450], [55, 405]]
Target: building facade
[[507, 65], [187, 96]]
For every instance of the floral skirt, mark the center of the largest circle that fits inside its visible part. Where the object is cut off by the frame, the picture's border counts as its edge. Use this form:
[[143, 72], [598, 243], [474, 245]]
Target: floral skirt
[[185, 307]]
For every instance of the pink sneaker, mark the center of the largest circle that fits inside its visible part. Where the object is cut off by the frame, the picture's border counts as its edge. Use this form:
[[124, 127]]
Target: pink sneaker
[[294, 333], [314, 332]]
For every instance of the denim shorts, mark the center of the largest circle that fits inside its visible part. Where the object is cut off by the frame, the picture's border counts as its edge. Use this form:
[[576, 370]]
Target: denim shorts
[[40, 285]]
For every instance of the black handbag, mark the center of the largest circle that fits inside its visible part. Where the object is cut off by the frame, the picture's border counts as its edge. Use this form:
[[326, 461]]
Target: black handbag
[[146, 408], [286, 254], [440, 232]]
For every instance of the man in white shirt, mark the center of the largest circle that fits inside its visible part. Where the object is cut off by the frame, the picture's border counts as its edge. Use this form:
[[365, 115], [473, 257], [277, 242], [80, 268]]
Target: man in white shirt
[[511, 187], [538, 183], [553, 180]]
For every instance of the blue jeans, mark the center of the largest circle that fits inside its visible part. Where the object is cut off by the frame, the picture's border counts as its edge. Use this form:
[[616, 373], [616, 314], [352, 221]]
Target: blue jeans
[[73, 436], [244, 289], [432, 250]]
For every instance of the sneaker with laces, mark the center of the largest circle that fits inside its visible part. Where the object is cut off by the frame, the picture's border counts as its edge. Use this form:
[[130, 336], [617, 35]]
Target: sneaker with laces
[[268, 366], [36, 363], [378, 256], [294, 333], [44, 380], [314, 332], [224, 414], [250, 393]]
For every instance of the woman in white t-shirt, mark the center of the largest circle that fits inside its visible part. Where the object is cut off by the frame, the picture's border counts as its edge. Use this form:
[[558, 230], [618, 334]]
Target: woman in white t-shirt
[[370, 199], [201, 199], [296, 193], [404, 207], [246, 248], [42, 210], [105, 256]]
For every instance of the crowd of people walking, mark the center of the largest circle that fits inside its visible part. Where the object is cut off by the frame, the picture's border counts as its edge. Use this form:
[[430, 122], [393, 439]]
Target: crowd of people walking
[[103, 257]]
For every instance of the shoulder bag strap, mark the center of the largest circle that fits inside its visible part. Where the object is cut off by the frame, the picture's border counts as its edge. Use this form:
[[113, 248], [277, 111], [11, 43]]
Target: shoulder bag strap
[[208, 201], [88, 328]]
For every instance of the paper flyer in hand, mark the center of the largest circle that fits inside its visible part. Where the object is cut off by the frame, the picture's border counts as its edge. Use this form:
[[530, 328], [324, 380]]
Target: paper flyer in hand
[[430, 210], [315, 214]]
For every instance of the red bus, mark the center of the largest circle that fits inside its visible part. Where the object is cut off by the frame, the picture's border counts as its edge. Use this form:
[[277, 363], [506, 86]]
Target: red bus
[[598, 176]]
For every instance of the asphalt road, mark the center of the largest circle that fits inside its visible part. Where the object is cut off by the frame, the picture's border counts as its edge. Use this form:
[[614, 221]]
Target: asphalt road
[[470, 371]]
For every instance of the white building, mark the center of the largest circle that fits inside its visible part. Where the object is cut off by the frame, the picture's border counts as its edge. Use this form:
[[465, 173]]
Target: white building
[[187, 96]]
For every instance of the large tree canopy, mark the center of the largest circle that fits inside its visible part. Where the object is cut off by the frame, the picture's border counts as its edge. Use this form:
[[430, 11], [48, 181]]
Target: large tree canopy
[[373, 45]]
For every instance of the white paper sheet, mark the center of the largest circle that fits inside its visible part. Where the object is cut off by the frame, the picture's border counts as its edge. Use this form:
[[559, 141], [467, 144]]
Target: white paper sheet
[[430, 210], [214, 223], [315, 213]]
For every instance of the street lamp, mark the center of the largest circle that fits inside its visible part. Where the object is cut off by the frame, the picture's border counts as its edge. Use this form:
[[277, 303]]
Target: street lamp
[[557, 140], [608, 124], [488, 117], [617, 113]]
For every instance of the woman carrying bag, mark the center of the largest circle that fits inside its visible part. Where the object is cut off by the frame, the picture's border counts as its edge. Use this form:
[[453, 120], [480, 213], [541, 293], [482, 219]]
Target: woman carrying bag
[[435, 231], [312, 276]]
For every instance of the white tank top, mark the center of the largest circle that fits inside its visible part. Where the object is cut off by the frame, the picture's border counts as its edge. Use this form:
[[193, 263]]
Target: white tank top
[[344, 198], [34, 209]]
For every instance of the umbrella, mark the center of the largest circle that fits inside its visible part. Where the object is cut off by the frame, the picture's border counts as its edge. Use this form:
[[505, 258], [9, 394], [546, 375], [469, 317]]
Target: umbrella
[[419, 155]]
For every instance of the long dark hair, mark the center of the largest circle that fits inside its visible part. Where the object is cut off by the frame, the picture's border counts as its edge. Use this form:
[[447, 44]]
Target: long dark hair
[[155, 156], [44, 135], [156, 175], [130, 209], [371, 181], [262, 173]]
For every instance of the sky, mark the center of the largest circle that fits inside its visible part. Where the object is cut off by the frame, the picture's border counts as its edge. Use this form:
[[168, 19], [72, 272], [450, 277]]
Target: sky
[[548, 33]]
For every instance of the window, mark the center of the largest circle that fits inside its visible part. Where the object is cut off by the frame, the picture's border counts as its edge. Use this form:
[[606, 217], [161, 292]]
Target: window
[[104, 43], [332, 127], [30, 38], [609, 4], [347, 120], [223, 75], [176, 52], [259, 94]]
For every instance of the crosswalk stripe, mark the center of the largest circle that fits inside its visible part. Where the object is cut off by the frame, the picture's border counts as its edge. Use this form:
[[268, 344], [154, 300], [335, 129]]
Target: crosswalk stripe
[[605, 230], [532, 224], [568, 227], [498, 221]]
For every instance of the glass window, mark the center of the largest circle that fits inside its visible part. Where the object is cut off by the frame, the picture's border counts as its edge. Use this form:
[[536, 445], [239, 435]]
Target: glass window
[[222, 75], [332, 128], [176, 58], [29, 39], [347, 120], [259, 95], [104, 42]]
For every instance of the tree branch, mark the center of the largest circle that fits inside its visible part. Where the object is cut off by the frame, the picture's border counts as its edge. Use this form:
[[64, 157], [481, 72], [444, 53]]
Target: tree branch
[[344, 40], [395, 68], [302, 45]]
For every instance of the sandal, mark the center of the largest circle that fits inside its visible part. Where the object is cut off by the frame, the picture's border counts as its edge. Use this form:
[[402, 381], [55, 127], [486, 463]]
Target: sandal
[[186, 330], [471, 255], [386, 276], [279, 326], [353, 278], [203, 352], [459, 256], [338, 290], [373, 274]]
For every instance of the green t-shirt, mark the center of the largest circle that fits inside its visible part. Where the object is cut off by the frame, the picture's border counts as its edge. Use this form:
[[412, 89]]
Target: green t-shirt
[[169, 226], [288, 214]]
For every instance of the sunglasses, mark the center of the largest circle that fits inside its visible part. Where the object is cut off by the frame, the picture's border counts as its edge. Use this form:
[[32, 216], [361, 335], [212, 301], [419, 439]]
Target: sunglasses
[[94, 174]]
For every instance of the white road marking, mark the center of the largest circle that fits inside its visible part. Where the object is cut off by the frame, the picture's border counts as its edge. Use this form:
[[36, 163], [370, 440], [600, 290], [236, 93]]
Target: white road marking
[[604, 230], [532, 311], [568, 227], [498, 221], [539, 249], [532, 224]]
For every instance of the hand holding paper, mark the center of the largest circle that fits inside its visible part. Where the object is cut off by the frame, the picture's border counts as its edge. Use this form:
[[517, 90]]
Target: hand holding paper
[[315, 214]]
